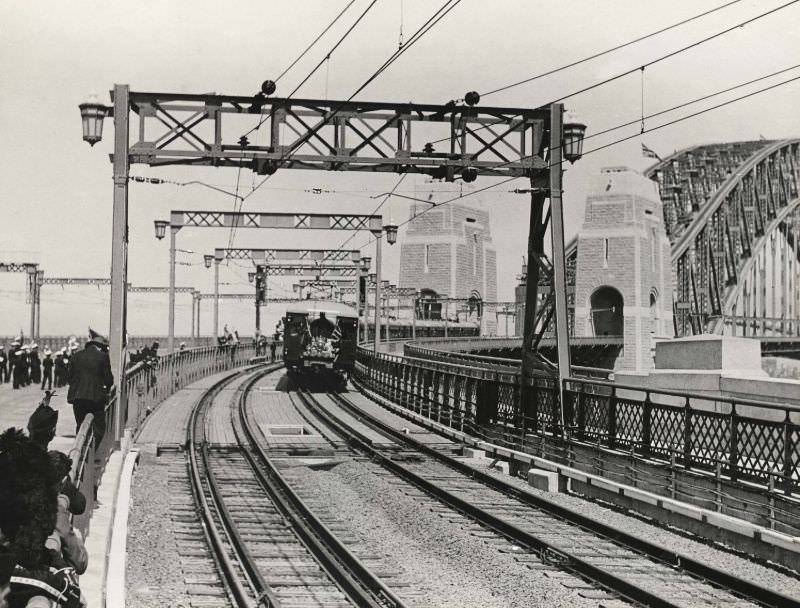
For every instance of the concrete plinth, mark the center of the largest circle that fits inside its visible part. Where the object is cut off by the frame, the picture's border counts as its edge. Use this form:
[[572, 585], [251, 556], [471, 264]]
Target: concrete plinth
[[547, 481], [716, 366], [473, 453], [710, 352], [500, 465]]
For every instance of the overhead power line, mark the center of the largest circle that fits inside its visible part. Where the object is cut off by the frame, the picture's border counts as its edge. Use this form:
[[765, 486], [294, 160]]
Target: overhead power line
[[424, 29], [613, 143], [611, 50], [313, 42], [678, 51]]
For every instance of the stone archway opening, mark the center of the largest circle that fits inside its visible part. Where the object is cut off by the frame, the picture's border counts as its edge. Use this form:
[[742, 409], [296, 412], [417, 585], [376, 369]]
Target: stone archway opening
[[475, 305], [606, 313]]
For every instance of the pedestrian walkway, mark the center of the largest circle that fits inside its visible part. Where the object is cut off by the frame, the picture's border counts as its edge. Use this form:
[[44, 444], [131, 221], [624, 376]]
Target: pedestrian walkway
[[16, 406]]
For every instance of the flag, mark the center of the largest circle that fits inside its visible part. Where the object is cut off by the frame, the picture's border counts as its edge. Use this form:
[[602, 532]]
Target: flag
[[337, 334], [647, 152]]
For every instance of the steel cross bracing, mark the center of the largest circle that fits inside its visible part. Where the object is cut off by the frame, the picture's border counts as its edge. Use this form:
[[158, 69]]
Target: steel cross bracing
[[266, 256], [76, 281], [244, 297], [732, 213], [185, 129], [304, 270], [256, 219]]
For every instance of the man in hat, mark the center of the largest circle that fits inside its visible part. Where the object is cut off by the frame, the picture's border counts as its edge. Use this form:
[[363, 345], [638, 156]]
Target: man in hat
[[19, 368], [90, 380], [59, 368], [3, 365], [35, 364], [47, 368]]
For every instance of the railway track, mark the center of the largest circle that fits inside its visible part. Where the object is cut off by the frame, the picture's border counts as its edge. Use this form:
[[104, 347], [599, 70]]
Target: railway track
[[628, 567], [272, 548]]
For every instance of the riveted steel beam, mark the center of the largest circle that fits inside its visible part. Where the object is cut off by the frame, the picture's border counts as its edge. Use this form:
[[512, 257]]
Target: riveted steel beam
[[329, 135]]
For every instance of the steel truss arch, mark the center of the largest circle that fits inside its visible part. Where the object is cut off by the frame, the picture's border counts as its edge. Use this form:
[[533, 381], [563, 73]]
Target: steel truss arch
[[717, 245]]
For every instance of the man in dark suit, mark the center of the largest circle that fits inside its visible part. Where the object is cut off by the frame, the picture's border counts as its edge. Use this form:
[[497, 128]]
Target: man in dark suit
[[90, 379]]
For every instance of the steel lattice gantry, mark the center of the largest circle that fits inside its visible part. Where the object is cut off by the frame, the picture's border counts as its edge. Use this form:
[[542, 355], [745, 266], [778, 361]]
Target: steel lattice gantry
[[733, 216], [269, 256], [336, 135], [35, 277], [216, 130]]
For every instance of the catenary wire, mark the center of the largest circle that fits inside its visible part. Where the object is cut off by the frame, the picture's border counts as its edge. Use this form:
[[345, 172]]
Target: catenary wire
[[677, 51], [610, 50], [652, 62], [608, 145], [417, 35], [313, 42]]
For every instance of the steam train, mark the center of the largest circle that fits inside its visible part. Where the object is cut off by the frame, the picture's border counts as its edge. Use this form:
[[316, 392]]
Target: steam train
[[320, 336]]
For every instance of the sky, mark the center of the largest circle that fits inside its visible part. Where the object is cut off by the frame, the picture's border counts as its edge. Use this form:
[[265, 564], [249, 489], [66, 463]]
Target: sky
[[56, 203]]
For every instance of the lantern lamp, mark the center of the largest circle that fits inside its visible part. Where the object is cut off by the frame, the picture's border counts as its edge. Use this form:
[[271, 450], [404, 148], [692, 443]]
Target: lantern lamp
[[161, 228], [572, 139], [391, 233], [208, 259], [92, 114]]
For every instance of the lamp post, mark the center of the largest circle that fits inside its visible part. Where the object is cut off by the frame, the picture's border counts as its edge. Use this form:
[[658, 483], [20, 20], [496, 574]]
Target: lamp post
[[217, 260], [160, 230], [92, 115], [391, 238], [208, 260], [361, 297]]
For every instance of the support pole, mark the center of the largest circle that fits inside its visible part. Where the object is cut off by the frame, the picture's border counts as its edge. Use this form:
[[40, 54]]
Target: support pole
[[173, 231], [32, 273], [366, 308], [414, 319], [377, 292], [216, 298], [196, 302], [559, 261], [119, 255], [194, 320], [39, 281]]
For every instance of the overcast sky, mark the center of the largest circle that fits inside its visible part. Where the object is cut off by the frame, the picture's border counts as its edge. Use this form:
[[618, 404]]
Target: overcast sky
[[56, 204]]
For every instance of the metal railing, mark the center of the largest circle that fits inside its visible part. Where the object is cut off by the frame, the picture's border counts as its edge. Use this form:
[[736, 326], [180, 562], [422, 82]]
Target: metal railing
[[744, 439], [147, 385]]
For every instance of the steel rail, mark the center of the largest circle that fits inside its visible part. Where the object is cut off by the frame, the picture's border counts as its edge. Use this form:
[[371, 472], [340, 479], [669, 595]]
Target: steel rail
[[610, 581], [751, 591], [358, 582], [212, 534]]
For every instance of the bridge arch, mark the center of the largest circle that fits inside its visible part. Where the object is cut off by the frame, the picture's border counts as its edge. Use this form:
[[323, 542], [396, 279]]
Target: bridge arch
[[722, 204]]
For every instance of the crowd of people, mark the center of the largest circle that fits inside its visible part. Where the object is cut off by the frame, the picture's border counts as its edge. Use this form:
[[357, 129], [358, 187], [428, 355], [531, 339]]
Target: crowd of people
[[22, 365], [41, 553]]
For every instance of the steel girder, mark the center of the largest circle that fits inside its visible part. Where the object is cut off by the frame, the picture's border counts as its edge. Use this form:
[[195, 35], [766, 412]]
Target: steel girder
[[256, 219], [28, 267], [328, 135], [76, 281], [266, 256], [243, 297], [716, 238], [304, 270]]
